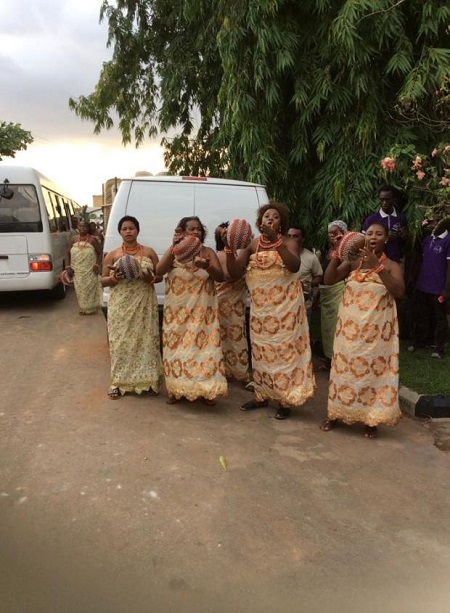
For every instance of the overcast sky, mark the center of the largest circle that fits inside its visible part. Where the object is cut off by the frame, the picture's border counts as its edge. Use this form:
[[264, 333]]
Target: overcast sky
[[51, 50]]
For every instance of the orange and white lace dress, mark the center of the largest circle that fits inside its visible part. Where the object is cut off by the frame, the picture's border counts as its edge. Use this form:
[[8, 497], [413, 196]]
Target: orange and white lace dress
[[232, 296], [364, 372], [192, 353], [281, 352]]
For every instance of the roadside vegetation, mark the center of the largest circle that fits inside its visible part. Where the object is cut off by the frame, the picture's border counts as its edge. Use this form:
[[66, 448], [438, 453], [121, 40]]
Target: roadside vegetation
[[305, 97], [423, 374]]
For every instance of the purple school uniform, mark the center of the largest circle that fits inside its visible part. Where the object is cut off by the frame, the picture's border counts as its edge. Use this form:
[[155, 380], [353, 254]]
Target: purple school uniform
[[433, 272], [393, 248]]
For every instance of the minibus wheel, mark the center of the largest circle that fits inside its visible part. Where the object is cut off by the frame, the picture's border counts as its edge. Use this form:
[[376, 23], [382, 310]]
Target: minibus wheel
[[58, 292]]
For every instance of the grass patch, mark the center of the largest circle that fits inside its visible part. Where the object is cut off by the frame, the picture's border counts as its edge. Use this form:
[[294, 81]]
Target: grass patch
[[424, 374]]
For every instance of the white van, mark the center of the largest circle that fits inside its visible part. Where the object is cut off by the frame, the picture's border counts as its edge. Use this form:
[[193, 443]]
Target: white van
[[158, 203], [35, 231]]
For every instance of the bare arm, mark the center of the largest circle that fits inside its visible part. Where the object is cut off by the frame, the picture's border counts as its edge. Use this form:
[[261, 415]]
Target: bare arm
[[107, 279], [68, 256], [289, 253], [150, 276], [236, 265], [210, 263], [98, 249], [392, 278], [222, 257], [165, 263], [336, 271]]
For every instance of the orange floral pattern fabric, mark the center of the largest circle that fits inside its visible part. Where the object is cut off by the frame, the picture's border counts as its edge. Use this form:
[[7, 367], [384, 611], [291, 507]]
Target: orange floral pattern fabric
[[364, 373], [133, 333], [232, 297], [192, 353], [281, 352]]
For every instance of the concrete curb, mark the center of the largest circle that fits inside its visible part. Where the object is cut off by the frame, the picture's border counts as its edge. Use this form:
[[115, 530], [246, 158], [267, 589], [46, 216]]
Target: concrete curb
[[408, 400], [423, 405]]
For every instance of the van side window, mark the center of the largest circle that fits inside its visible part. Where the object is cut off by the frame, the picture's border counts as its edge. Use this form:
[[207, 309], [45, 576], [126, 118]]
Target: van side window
[[60, 214], [50, 210]]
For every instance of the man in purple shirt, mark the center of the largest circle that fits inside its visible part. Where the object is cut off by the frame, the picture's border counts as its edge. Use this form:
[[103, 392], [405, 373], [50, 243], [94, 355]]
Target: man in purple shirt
[[432, 292], [392, 219]]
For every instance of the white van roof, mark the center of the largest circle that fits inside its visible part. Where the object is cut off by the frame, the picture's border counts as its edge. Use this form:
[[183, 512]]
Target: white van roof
[[26, 174], [182, 179]]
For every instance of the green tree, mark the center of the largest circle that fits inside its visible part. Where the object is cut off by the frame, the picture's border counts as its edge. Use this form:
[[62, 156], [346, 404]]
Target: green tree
[[12, 139], [305, 97]]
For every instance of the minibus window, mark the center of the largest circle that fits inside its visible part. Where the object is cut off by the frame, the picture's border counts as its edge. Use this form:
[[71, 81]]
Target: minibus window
[[50, 211], [60, 214], [67, 213], [21, 213]]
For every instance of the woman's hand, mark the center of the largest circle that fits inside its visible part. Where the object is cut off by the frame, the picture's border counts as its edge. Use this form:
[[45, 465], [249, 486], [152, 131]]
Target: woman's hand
[[117, 275], [178, 235], [269, 232], [335, 240], [368, 258], [201, 262], [96, 268], [148, 277]]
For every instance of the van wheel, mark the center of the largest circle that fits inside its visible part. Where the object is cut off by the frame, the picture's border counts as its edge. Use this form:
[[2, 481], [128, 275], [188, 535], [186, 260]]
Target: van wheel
[[58, 292]]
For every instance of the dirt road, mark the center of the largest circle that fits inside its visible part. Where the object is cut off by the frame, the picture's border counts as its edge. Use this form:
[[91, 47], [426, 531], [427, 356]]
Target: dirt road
[[124, 506]]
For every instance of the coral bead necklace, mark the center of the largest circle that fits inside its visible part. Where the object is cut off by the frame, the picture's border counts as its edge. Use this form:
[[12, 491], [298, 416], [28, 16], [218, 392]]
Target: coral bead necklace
[[134, 251]]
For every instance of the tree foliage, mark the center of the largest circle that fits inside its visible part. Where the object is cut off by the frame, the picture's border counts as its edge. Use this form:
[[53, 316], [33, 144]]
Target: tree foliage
[[305, 97], [13, 138]]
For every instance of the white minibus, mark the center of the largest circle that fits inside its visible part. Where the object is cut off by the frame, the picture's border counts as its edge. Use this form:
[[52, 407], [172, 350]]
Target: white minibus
[[159, 202], [35, 231]]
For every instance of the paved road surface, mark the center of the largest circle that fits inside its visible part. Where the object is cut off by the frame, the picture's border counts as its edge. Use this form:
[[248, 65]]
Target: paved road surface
[[124, 506]]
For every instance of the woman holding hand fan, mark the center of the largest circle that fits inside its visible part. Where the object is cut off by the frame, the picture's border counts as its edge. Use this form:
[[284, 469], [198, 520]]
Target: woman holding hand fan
[[192, 353], [281, 353], [364, 371], [133, 327]]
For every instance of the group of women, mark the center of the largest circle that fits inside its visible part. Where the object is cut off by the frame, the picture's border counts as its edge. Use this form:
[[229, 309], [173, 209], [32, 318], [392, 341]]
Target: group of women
[[204, 340]]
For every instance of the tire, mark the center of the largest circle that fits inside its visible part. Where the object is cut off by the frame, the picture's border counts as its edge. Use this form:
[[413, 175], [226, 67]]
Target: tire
[[58, 292]]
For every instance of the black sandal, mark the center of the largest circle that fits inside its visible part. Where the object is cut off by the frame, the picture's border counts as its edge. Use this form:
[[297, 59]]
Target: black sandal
[[254, 404], [328, 425], [371, 432], [282, 413]]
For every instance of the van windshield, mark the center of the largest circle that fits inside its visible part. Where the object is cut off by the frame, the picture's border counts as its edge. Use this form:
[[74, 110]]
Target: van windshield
[[20, 212]]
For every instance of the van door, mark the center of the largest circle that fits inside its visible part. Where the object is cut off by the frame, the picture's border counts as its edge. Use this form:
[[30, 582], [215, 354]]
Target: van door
[[14, 262]]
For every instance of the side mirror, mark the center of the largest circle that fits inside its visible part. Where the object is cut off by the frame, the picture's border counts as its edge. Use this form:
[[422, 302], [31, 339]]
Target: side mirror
[[6, 192]]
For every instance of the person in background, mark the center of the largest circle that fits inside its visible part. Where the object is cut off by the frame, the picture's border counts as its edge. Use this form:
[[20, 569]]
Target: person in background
[[84, 260], [96, 233], [232, 297], [392, 219], [432, 292], [192, 353], [133, 323], [310, 272], [280, 346], [364, 371], [75, 223], [330, 295]]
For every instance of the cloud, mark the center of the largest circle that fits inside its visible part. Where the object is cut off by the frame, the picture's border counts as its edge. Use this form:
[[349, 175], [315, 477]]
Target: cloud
[[50, 51]]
